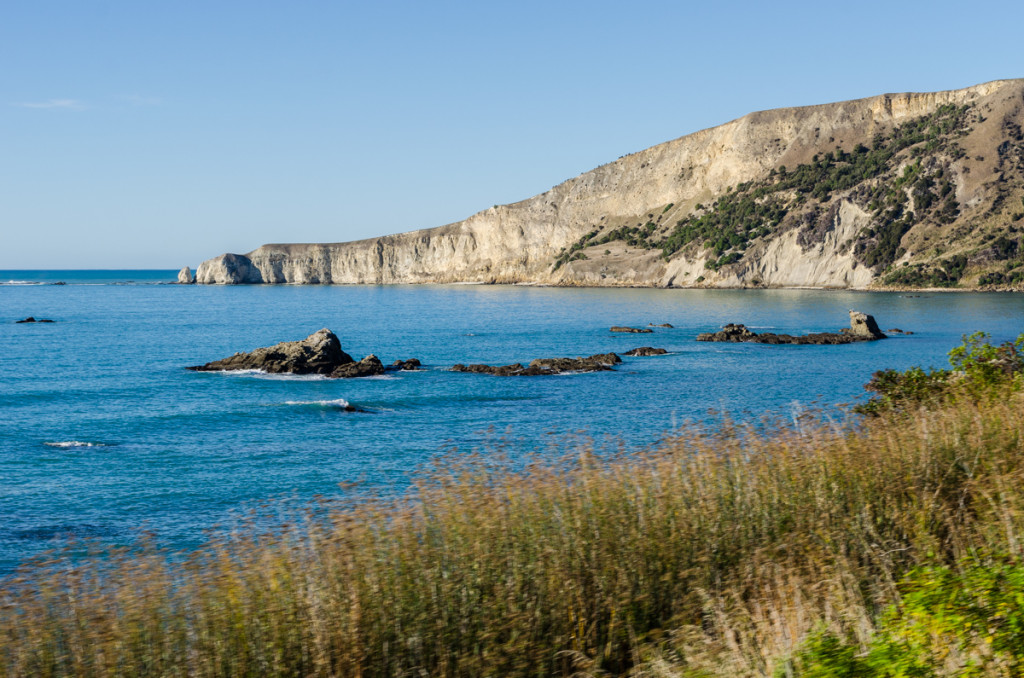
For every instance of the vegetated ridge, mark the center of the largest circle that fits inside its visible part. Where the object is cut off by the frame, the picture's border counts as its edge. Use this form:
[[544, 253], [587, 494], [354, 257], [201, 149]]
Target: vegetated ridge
[[915, 190]]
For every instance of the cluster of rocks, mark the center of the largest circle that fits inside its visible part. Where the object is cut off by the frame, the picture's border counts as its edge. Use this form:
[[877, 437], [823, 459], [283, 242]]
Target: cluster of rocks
[[601, 362], [31, 319], [319, 353], [862, 328]]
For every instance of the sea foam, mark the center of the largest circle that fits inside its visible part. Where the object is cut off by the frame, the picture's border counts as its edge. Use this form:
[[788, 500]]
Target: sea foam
[[339, 403]]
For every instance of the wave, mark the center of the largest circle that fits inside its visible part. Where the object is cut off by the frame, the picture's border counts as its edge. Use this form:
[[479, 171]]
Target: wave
[[23, 282], [261, 374], [76, 443], [336, 403]]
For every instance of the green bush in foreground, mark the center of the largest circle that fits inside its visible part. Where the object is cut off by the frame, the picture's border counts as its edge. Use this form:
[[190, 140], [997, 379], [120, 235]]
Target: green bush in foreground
[[747, 552], [962, 621], [979, 370]]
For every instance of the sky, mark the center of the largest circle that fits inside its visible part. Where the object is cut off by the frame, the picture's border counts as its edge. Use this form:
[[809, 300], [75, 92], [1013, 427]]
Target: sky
[[157, 135]]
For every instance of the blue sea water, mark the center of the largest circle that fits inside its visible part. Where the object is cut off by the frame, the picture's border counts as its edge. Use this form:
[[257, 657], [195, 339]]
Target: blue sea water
[[105, 435]]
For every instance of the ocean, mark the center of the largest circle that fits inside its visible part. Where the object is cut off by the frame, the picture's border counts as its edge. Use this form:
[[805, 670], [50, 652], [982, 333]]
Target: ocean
[[104, 435]]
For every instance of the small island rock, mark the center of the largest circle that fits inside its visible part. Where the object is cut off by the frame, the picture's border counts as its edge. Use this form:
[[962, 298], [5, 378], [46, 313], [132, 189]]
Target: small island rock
[[644, 351], [862, 328], [319, 353], [410, 365], [185, 276], [631, 330], [601, 362]]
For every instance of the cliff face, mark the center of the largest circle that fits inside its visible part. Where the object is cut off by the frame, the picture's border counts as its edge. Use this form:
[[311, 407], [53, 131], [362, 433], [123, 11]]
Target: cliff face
[[650, 218]]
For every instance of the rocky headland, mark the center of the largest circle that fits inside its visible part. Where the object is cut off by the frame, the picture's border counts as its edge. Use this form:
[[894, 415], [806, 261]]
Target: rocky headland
[[900, 190]]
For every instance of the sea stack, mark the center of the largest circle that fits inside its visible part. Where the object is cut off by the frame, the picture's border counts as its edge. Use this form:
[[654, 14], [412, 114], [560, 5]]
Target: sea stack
[[185, 276]]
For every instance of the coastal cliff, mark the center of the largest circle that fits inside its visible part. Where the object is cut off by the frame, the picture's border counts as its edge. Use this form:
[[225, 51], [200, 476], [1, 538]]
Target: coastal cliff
[[916, 190]]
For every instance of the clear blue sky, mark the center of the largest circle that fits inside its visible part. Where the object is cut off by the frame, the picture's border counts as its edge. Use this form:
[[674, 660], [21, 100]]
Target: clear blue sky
[[154, 135]]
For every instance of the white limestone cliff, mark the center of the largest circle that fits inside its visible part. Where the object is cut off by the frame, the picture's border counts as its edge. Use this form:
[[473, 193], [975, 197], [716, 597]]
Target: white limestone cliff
[[518, 243]]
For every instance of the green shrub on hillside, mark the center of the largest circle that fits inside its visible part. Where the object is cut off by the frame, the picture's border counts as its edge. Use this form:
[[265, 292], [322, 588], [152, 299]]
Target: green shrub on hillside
[[752, 209]]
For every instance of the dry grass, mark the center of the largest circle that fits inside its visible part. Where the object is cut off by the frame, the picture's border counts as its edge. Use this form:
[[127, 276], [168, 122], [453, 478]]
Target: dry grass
[[714, 555]]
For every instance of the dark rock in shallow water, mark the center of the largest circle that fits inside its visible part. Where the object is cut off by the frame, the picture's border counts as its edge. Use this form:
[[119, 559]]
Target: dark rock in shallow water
[[30, 319], [601, 362], [862, 328], [645, 351], [896, 330], [370, 366], [410, 365], [319, 353], [632, 330], [669, 325]]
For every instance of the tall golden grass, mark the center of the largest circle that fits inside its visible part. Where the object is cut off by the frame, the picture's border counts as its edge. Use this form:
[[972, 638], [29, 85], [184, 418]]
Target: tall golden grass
[[713, 555]]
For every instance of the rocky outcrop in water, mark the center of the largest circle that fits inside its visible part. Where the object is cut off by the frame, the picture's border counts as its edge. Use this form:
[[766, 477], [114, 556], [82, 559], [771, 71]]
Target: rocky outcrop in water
[[631, 330], [370, 366], [31, 319], [319, 353], [602, 362], [644, 351], [410, 365], [185, 276], [614, 225], [862, 328]]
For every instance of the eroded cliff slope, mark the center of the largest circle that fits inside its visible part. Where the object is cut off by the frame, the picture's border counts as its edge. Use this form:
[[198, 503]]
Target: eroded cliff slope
[[899, 189]]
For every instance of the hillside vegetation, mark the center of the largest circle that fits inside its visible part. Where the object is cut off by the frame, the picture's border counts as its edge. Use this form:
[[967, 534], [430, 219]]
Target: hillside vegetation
[[886, 548], [907, 180]]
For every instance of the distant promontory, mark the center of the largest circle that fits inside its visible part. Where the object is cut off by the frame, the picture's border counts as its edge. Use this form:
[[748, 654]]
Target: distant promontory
[[898, 190]]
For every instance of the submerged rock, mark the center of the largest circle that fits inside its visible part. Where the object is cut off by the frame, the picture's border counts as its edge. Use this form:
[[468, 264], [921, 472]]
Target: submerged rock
[[319, 353], [601, 362], [644, 351], [30, 319], [632, 330], [862, 328], [669, 325]]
